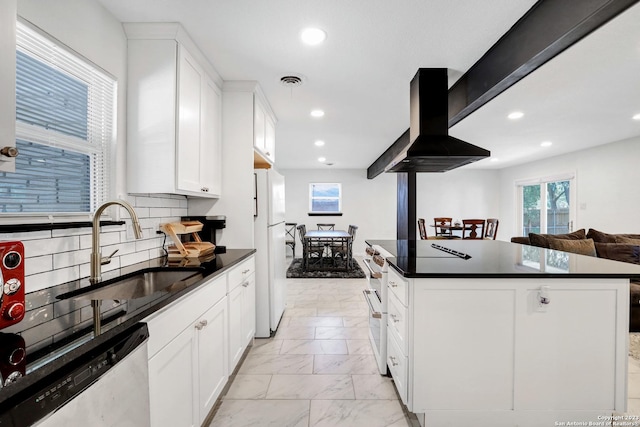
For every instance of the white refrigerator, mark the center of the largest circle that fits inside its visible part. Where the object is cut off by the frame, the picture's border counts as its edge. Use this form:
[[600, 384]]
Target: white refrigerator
[[269, 240]]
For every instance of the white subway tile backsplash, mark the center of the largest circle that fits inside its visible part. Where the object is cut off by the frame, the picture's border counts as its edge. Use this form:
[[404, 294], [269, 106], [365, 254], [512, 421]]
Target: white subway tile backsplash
[[51, 246], [68, 259], [179, 211], [134, 258], [58, 256], [38, 264], [83, 231], [27, 235], [159, 212], [111, 238], [40, 281]]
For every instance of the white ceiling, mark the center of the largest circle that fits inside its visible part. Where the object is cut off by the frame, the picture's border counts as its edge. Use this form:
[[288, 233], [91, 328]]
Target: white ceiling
[[360, 75]]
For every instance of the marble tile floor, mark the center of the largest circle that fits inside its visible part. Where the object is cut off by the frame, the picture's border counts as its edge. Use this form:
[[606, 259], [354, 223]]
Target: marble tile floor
[[318, 370]]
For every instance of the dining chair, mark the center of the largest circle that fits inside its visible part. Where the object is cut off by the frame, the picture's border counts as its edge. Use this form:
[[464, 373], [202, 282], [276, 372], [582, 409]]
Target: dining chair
[[326, 226], [474, 228], [422, 228], [438, 222], [344, 248], [423, 232], [310, 249], [290, 237], [491, 229]]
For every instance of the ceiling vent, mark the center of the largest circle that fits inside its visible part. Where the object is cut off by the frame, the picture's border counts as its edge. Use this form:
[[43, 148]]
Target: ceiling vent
[[291, 80]]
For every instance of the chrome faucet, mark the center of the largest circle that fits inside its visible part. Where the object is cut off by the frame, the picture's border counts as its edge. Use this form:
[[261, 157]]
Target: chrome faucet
[[96, 255]]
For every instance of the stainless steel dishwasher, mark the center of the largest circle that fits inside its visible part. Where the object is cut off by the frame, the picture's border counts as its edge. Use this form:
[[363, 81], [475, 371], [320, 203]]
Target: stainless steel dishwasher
[[107, 387]]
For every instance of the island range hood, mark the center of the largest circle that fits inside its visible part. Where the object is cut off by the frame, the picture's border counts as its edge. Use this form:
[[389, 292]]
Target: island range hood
[[427, 146]]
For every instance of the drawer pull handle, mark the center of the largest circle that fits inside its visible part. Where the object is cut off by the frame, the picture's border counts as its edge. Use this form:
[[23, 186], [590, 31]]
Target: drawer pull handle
[[393, 360], [393, 284], [246, 271], [394, 318], [245, 284]]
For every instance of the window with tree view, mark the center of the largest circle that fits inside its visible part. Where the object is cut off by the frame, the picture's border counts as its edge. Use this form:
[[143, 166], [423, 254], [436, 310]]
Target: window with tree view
[[325, 198], [546, 207]]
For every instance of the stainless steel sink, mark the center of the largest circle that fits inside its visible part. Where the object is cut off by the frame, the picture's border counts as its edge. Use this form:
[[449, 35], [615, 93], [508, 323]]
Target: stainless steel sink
[[139, 285]]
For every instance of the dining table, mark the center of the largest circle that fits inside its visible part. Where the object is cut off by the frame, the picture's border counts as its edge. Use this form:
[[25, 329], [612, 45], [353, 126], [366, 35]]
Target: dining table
[[328, 238]]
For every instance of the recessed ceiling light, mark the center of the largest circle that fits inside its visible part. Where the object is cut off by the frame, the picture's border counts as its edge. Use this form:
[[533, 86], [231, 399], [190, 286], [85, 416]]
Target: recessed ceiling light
[[546, 144], [494, 159], [319, 143], [515, 115], [317, 113], [322, 159], [636, 117], [313, 36]]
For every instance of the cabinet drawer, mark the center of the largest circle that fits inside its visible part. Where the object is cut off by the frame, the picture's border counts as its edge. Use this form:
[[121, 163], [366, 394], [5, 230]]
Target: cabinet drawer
[[397, 321], [398, 366], [398, 286], [167, 323], [240, 273]]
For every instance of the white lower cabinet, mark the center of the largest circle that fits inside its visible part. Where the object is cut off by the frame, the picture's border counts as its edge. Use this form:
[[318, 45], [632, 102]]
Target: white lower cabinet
[[188, 371], [212, 357], [172, 373], [242, 310], [486, 352], [187, 376], [195, 343]]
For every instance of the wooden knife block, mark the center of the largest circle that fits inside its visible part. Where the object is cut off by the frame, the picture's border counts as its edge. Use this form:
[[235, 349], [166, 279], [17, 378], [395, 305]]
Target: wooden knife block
[[180, 250]]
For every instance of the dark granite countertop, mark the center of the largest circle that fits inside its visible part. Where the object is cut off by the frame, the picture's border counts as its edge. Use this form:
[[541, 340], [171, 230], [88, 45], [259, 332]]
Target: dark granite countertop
[[55, 332], [496, 259]]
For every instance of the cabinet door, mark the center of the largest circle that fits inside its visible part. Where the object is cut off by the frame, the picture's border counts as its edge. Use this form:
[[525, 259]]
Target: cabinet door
[[190, 79], [248, 310], [212, 356], [568, 359], [210, 143], [171, 383], [258, 126], [235, 327], [270, 139]]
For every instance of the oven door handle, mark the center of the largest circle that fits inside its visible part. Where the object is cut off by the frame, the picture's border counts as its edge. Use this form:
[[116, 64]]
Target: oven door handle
[[374, 314], [374, 274]]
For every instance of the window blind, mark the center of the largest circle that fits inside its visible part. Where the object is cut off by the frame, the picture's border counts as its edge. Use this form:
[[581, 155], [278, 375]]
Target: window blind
[[64, 127]]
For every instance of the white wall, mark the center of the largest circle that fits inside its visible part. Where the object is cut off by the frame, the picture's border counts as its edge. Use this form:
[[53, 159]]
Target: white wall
[[607, 187], [459, 194], [368, 203]]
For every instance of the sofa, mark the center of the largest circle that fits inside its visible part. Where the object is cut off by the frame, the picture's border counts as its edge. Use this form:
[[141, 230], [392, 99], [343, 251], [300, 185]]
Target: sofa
[[617, 247]]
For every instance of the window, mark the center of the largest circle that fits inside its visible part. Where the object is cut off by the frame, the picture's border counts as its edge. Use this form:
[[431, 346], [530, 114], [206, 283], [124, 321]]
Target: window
[[64, 127], [325, 198], [546, 205]]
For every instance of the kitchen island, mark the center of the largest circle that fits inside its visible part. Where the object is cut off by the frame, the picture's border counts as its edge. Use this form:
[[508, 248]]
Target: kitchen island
[[490, 333]]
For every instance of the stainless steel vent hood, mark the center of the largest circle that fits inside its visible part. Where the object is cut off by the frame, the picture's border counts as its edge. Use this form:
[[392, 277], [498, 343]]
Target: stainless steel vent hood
[[427, 146]]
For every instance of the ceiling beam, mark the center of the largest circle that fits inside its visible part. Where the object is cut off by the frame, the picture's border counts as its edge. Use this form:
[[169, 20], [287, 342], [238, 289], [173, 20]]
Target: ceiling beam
[[546, 30]]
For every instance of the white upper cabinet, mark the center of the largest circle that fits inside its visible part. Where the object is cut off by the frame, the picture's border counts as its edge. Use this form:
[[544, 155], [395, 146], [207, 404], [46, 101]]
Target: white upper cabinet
[[173, 115], [7, 82], [264, 129]]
